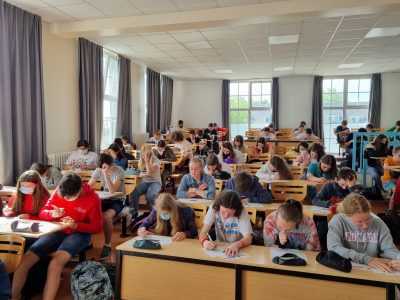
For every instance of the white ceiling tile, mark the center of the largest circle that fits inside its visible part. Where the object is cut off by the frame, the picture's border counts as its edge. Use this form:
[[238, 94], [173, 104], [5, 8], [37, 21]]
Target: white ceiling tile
[[51, 14], [367, 49], [197, 45], [154, 6], [350, 34], [188, 37], [61, 2], [204, 52], [311, 46], [183, 53], [132, 40], [118, 8], [223, 51], [320, 26], [251, 31], [283, 54], [315, 37], [284, 29], [236, 2], [213, 35], [307, 52], [82, 11], [224, 43], [306, 59], [159, 38], [185, 5], [389, 21], [145, 48], [256, 49], [283, 47], [168, 47], [358, 23], [381, 41], [184, 59], [344, 43], [157, 54], [336, 51], [28, 4]]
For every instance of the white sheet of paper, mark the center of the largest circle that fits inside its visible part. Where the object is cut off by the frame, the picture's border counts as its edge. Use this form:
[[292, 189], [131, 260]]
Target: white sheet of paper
[[164, 240], [219, 252], [254, 205], [194, 200], [107, 195], [275, 251], [317, 208], [366, 267]]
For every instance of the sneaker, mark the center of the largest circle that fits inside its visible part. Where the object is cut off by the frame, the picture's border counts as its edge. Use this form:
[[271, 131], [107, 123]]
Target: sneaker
[[105, 253]]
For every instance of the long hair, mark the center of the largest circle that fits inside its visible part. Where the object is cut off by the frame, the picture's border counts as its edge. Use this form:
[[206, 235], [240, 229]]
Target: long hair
[[165, 202], [142, 163], [302, 144], [282, 167], [331, 161], [239, 139], [379, 146], [317, 148], [38, 194], [228, 145], [291, 211], [212, 160], [354, 204]]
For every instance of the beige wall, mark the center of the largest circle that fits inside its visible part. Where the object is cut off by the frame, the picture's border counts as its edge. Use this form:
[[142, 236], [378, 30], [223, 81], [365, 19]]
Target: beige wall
[[60, 80], [390, 111]]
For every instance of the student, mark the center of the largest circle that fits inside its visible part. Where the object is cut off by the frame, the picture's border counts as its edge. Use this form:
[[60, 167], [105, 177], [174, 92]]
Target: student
[[156, 137], [267, 134], [310, 136], [248, 188], [29, 199], [275, 169], [229, 155], [128, 145], [261, 146], [170, 218], [323, 170], [390, 176], [204, 136], [395, 127], [302, 123], [392, 217], [289, 228], [272, 128], [82, 159], [377, 148], [210, 130], [192, 137], [118, 157], [349, 144], [181, 127], [164, 153], [341, 132], [299, 133], [359, 235], [304, 157], [120, 143], [51, 176], [112, 178], [201, 149], [335, 191], [196, 184], [213, 167], [78, 206], [316, 152], [150, 185], [238, 144], [232, 224], [184, 146]]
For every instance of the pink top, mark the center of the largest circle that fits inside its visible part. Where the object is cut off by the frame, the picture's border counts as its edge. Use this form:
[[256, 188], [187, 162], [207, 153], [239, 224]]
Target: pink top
[[303, 158]]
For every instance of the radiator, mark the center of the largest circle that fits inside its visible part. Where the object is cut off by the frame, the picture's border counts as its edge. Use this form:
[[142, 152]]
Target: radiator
[[58, 159]]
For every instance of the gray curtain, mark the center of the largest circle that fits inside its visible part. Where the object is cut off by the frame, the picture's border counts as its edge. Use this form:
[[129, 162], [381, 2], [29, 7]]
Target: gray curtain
[[153, 101], [124, 119], [22, 117], [275, 102], [317, 124], [91, 92], [167, 86], [375, 100], [225, 103]]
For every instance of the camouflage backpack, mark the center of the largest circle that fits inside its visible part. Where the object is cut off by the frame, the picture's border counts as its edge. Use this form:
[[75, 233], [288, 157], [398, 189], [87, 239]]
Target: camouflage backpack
[[90, 281]]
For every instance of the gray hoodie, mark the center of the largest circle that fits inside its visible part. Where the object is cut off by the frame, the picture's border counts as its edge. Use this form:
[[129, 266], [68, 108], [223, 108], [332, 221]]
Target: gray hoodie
[[361, 246]]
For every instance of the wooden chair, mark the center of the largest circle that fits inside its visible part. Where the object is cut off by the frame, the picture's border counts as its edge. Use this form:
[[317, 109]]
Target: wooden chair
[[252, 211], [132, 152], [297, 172], [179, 157], [162, 167], [219, 186], [252, 168], [245, 157], [263, 157], [86, 176], [252, 134], [194, 148], [291, 189], [130, 185], [285, 134], [200, 211], [234, 168], [11, 251]]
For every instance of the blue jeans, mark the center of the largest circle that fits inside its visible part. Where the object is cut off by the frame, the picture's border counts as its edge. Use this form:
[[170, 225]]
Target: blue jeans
[[376, 173], [151, 190]]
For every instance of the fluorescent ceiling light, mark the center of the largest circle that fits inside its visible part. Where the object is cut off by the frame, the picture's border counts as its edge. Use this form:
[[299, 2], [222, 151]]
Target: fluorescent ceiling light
[[223, 71], [283, 39], [349, 66], [278, 69], [197, 45], [381, 32]]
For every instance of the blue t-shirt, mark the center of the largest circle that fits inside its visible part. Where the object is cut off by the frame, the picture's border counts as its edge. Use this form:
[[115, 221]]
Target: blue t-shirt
[[313, 169]]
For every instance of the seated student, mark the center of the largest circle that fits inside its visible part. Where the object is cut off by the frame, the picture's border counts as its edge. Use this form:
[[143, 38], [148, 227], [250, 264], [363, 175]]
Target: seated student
[[316, 152], [359, 235], [261, 146], [304, 157], [118, 157], [192, 137], [323, 170], [119, 142], [249, 188], [164, 153], [300, 132], [204, 136], [267, 135], [201, 149], [78, 206], [29, 199], [341, 132], [181, 126], [349, 144], [238, 144], [391, 176], [335, 191], [310, 136], [229, 155], [210, 130], [82, 159], [157, 136], [302, 123], [232, 224], [223, 131], [213, 167], [377, 148], [184, 146], [392, 218], [170, 218], [196, 184], [150, 185], [51, 176], [272, 129], [395, 127], [275, 169], [289, 228], [112, 179], [128, 145]]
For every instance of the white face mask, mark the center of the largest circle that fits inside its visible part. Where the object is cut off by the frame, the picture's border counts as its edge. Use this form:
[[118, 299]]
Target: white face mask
[[26, 190]]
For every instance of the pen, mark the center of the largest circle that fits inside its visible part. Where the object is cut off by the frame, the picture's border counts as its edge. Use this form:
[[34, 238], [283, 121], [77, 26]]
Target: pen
[[209, 237]]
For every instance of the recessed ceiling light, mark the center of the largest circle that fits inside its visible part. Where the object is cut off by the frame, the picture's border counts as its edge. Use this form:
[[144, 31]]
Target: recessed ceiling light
[[380, 32], [278, 69], [223, 71], [349, 66], [197, 45], [283, 39]]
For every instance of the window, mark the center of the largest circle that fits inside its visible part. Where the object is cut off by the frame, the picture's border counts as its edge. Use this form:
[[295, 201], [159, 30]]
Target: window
[[111, 79], [249, 106], [344, 99]]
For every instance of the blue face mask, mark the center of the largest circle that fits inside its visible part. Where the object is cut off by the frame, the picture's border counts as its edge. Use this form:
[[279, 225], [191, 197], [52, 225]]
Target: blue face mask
[[165, 217], [26, 190], [83, 152]]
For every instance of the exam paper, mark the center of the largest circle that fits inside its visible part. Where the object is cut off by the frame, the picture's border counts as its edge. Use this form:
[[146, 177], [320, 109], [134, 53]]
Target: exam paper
[[219, 252]]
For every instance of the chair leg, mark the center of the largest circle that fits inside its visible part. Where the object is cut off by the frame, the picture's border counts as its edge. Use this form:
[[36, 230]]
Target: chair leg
[[124, 233]]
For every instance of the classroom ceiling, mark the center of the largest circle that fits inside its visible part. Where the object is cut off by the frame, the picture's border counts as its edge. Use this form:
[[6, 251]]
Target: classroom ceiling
[[236, 39]]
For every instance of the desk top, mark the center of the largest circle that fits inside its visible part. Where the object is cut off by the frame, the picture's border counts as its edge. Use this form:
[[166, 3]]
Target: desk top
[[45, 227], [259, 257]]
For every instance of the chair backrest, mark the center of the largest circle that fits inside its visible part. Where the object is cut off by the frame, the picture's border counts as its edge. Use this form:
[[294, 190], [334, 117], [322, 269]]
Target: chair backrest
[[252, 168], [252, 134], [194, 148], [291, 189], [281, 150], [297, 172], [244, 157], [130, 183], [179, 157], [132, 152], [162, 167], [308, 213], [252, 211], [285, 134], [200, 211], [263, 157], [86, 176], [234, 168], [219, 186], [378, 130], [11, 251]]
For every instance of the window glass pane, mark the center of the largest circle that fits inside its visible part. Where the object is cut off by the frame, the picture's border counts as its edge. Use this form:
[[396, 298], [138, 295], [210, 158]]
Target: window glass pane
[[233, 89], [352, 98], [243, 88], [337, 85], [234, 102], [363, 98], [365, 85], [260, 118], [256, 88], [243, 102], [327, 85], [266, 88], [357, 118], [239, 121], [353, 86], [332, 118]]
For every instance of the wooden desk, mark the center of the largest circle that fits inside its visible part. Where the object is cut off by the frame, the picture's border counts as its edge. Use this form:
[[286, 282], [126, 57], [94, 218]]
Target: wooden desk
[[44, 227], [317, 185], [8, 190], [183, 270]]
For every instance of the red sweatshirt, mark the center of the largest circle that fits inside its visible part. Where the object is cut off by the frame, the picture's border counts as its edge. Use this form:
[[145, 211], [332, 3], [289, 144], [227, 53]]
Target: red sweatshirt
[[28, 205], [396, 196], [85, 210]]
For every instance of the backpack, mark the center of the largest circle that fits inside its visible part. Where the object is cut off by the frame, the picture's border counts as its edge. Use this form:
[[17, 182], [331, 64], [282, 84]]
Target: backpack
[[90, 281], [135, 224]]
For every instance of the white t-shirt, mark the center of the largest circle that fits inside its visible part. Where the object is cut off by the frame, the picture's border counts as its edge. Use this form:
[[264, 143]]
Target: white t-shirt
[[230, 230], [265, 172], [89, 159], [184, 146], [119, 175]]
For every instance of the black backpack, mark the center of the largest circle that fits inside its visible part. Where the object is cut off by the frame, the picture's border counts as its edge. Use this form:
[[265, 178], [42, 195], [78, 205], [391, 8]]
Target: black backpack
[[90, 281]]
